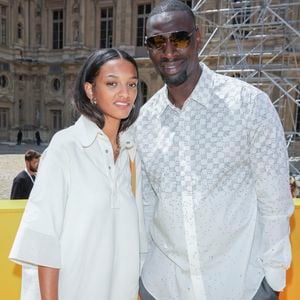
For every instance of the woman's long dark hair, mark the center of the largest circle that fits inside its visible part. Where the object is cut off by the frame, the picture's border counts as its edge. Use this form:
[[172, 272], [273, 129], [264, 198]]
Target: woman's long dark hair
[[88, 73]]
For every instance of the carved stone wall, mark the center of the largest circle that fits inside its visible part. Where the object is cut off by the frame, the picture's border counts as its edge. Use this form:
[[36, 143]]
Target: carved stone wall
[[36, 81]]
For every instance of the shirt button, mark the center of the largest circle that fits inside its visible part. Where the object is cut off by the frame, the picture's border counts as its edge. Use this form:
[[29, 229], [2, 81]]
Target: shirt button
[[106, 151], [109, 167]]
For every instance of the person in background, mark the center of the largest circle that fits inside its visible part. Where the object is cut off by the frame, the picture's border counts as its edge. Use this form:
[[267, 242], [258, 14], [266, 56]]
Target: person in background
[[38, 138], [203, 130], [294, 187], [82, 229], [24, 181], [19, 137]]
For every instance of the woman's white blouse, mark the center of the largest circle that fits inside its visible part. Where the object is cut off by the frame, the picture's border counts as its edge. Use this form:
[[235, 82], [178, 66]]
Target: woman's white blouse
[[83, 219]]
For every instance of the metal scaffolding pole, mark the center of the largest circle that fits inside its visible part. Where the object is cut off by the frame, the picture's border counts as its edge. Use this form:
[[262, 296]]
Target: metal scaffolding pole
[[258, 41]]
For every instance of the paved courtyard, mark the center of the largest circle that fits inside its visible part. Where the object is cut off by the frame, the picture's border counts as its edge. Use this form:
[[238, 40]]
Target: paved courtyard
[[11, 163]]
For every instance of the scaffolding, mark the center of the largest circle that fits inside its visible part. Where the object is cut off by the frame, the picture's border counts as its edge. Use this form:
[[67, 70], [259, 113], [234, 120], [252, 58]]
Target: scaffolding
[[258, 41]]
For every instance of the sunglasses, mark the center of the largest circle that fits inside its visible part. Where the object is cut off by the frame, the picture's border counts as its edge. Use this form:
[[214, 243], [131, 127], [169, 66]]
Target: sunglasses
[[178, 39]]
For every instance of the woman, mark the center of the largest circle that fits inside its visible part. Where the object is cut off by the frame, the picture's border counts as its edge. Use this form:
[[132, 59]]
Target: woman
[[82, 229]]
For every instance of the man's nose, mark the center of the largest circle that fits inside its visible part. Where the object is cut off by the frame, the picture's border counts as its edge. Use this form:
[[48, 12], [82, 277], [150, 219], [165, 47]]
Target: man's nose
[[169, 49]]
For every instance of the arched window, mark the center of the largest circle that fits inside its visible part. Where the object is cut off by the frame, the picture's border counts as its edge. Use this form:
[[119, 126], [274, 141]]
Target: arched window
[[144, 90], [56, 84]]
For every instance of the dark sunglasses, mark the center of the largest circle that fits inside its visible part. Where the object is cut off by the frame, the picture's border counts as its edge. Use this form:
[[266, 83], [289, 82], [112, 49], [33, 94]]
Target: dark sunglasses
[[178, 39]]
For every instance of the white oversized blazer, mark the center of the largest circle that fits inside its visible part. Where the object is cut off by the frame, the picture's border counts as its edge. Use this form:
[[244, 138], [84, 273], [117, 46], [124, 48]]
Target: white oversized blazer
[[82, 218]]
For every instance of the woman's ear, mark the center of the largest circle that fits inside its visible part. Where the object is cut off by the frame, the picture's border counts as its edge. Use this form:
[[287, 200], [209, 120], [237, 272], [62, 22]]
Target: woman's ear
[[88, 87]]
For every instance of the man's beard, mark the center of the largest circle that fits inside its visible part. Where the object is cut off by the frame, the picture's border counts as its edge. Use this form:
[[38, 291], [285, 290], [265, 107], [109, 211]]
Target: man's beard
[[175, 81], [32, 169]]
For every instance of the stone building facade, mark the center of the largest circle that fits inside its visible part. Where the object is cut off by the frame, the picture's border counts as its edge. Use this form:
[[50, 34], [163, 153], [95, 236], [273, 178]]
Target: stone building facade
[[43, 43]]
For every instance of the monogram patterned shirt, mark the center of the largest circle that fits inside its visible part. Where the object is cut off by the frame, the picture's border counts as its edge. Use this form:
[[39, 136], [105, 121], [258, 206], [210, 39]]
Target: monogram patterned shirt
[[216, 192]]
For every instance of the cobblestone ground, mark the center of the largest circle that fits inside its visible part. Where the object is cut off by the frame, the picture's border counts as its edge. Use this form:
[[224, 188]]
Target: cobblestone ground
[[11, 163]]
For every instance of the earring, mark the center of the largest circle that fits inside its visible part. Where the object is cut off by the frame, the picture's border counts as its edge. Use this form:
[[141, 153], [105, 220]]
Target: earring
[[93, 101]]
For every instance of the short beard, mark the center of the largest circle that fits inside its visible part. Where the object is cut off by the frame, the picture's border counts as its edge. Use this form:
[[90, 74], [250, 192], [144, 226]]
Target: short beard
[[175, 81], [32, 169]]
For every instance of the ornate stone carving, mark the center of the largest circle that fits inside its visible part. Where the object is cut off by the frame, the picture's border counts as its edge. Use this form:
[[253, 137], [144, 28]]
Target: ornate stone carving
[[76, 31], [76, 7]]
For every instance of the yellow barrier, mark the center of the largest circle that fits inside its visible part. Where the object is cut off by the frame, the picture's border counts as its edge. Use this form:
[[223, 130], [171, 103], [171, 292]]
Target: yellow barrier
[[293, 275], [10, 273]]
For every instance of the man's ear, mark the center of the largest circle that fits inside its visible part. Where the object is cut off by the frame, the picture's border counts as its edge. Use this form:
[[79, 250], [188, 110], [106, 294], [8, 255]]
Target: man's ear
[[88, 88], [27, 164]]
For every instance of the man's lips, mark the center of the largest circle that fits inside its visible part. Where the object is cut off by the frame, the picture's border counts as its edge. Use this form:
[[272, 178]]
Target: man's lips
[[171, 67]]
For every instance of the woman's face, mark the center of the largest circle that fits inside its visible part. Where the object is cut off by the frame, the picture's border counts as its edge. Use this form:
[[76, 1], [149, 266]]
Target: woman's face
[[114, 89]]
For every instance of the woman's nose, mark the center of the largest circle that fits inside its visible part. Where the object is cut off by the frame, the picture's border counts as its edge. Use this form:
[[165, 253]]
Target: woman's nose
[[123, 92]]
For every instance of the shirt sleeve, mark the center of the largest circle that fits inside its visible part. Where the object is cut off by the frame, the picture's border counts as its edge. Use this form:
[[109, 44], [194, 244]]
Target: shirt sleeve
[[269, 163], [38, 238]]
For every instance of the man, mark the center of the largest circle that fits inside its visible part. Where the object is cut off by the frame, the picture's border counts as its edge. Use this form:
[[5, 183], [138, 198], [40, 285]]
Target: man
[[24, 181], [38, 138], [19, 137], [215, 175]]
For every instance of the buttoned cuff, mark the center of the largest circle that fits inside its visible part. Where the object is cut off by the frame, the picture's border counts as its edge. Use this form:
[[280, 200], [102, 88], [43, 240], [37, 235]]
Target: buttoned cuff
[[32, 247], [276, 278]]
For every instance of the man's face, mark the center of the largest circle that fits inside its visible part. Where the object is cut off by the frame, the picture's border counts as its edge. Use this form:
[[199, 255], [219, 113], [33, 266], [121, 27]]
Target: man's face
[[173, 62], [32, 165]]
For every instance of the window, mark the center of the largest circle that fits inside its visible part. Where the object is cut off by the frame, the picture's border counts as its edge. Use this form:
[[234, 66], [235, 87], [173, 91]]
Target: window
[[58, 29], [142, 10], [3, 81], [4, 67], [241, 18], [144, 90], [211, 22], [56, 84], [188, 2], [3, 23], [19, 31], [106, 27], [3, 118], [56, 119], [298, 119], [20, 10], [298, 110]]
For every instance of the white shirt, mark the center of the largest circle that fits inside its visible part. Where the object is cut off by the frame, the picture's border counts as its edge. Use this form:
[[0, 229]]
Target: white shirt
[[82, 218], [216, 192]]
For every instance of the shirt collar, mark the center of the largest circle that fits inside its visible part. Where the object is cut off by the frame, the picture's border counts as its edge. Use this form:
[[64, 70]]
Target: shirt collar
[[202, 92], [28, 173], [127, 139], [88, 132]]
